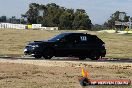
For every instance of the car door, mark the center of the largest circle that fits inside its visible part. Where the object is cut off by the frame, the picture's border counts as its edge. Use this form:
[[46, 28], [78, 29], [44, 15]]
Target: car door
[[64, 46], [73, 40], [81, 45]]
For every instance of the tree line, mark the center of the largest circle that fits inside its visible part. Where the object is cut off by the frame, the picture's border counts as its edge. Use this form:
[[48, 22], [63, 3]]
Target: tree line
[[13, 19], [110, 23], [52, 15]]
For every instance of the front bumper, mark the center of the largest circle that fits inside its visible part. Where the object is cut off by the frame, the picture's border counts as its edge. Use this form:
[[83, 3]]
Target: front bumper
[[31, 52]]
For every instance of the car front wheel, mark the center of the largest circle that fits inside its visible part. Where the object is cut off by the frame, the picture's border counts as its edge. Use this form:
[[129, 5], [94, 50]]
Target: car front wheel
[[48, 54]]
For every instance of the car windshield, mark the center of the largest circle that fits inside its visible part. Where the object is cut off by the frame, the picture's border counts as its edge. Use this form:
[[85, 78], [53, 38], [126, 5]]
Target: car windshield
[[58, 37]]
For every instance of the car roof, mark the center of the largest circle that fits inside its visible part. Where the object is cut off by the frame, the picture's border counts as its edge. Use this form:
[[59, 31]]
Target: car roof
[[67, 33]]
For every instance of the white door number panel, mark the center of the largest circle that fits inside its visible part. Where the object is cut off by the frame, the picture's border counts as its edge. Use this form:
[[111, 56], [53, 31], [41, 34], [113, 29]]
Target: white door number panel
[[83, 38]]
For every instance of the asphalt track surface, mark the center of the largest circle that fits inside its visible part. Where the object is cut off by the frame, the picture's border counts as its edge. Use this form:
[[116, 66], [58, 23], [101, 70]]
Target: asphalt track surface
[[122, 60]]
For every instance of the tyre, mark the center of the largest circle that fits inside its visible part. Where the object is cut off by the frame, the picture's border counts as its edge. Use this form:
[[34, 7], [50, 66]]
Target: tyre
[[48, 54], [94, 55], [37, 56]]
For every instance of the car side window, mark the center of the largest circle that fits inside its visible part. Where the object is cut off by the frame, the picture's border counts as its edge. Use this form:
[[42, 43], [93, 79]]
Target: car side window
[[73, 38], [66, 39]]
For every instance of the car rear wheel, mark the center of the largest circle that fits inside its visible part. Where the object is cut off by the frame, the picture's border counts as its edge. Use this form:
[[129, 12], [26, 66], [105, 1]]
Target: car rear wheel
[[48, 54], [94, 55]]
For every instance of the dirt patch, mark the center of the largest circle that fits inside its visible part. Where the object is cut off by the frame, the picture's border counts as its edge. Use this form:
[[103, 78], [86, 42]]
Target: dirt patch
[[58, 74]]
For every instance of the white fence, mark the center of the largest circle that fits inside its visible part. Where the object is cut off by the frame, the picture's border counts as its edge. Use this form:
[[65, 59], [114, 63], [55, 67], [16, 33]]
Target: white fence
[[22, 26], [49, 28], [13, 26], [36, 26]]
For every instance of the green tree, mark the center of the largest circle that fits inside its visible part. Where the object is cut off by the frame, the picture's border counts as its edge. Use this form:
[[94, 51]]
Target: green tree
[[81, 20], [3, 19], [66, 19], [97, 27], [52, 15], [116, 17], [32, 13]]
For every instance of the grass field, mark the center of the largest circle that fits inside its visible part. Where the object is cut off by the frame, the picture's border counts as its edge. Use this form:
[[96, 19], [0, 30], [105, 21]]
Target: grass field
[[12, 42]]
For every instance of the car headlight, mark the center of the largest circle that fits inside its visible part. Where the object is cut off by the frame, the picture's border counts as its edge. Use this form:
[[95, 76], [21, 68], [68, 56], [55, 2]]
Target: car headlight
[[34, 46]]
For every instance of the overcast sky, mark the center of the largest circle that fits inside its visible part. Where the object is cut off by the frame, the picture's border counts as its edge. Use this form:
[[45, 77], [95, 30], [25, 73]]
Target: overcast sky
[[98, 10]]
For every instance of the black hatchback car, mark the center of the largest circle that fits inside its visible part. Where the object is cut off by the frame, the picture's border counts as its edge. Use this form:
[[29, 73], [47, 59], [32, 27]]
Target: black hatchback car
[[80, 45]]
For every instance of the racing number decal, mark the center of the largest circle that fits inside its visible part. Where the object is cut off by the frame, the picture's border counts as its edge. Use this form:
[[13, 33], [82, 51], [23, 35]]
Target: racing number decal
[[83, 38]]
